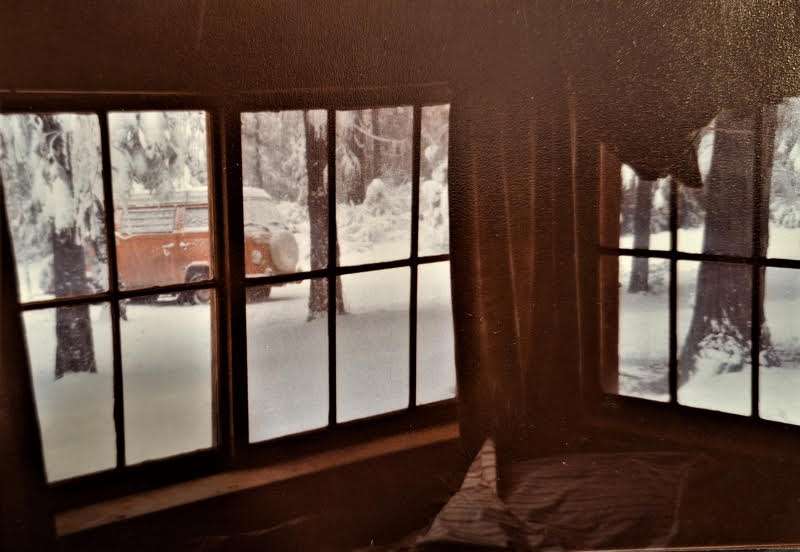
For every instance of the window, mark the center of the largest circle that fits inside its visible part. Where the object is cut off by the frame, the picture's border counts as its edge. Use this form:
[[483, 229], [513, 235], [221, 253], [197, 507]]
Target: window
[[371, 306], [164, 331], [698, 287]]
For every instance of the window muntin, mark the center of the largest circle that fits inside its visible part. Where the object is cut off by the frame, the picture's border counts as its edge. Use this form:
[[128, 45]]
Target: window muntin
[[732, 273]]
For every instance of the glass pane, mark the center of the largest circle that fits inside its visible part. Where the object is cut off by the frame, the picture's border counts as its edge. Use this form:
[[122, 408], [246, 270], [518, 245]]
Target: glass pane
[[73, 381], [644, 328], [373, 184], [784, 183], [434, 215], [372, 344], [167, 375], [287, 358], [285, 191], [52, 176], [780, 347], [714, 317], [436, 363], [644, 212], [159, 161], [718, 220]]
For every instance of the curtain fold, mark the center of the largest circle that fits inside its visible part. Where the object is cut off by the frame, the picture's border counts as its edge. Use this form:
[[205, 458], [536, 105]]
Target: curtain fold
[[513, 238]]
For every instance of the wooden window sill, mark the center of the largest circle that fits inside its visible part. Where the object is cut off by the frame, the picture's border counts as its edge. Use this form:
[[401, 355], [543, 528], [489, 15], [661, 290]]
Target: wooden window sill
[[132, 506]]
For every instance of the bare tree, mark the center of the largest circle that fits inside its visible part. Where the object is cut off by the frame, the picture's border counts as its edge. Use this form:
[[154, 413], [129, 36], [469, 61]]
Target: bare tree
[[722, 312], [316, 161], [74, 349], [641, 235]]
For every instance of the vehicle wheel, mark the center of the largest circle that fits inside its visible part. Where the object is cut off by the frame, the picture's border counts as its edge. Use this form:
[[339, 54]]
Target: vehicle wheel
[[257, 294], [198, 296]]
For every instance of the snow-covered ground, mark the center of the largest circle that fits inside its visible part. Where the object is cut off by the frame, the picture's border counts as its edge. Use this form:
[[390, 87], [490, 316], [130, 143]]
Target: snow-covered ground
[[167, 378], [644, 335], [287, 355]]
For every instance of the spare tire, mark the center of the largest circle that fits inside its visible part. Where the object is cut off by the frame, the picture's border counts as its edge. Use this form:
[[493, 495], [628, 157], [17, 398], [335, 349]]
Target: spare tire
[[284, 252]]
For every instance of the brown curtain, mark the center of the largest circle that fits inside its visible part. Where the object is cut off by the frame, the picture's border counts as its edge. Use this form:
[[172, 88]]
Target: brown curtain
[[513, 236]]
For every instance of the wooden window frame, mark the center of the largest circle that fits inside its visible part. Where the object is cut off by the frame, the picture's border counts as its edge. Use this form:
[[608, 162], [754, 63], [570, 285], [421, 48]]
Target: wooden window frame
[[232, 448], [597, 174]]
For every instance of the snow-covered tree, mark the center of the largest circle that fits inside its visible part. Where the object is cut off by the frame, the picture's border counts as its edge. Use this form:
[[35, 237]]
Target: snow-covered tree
[[159, 152], [53, 189]]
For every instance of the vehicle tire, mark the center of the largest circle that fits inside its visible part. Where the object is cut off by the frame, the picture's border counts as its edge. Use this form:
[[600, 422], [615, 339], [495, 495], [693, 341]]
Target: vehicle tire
[[198, 296], [258, 294]]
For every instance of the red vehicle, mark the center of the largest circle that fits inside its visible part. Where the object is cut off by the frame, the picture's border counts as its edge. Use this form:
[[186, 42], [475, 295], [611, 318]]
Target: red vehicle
[[166, 241]]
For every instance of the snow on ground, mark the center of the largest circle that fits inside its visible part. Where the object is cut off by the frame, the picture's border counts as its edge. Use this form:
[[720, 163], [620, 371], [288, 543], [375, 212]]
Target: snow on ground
[[287, 355], [167, 369], [644, 336]]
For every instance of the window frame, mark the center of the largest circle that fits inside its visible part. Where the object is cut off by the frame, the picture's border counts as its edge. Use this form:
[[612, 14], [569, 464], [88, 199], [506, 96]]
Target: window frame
[[331, 102], [232, 448], [598, 172]]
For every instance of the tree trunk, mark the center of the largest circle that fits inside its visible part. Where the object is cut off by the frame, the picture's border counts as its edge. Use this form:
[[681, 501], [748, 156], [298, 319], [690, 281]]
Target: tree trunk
[[376, 145], [74, 344], [359, 145], [316, 160], [722, 312], [641, 235]]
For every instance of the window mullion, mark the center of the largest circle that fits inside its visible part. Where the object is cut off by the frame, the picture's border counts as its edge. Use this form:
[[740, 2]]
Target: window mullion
[[415, 170], [673, 292], [233, 207], [113, 286], [333, 263], [757, 267]]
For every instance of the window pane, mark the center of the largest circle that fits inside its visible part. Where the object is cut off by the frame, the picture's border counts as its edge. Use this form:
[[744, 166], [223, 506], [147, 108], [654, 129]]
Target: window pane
[[159, 161], [52, 176], [434, 216], [436, 363], [285, 191], [714, 317], [643, 327], [784, 200], [644, 212], [72, 372], [780, 347], [718, 220], [372, 344], [287, 359], [167, 376], [373, 184]]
